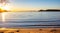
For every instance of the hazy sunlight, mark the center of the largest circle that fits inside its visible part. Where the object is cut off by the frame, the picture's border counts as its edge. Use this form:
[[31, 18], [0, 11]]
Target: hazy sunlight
[[5, 7]]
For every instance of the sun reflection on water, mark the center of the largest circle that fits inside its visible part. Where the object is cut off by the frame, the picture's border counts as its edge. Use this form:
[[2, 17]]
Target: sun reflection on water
[[3, 17]]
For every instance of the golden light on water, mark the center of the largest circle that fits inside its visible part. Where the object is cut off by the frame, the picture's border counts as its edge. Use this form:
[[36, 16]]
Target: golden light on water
[[3, 17]]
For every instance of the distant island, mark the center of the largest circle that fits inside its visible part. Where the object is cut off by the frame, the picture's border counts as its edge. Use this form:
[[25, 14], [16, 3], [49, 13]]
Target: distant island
[[52, 10]]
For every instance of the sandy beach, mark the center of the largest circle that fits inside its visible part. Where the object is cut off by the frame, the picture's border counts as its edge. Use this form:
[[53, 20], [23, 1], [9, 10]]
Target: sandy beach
[[30, 30]]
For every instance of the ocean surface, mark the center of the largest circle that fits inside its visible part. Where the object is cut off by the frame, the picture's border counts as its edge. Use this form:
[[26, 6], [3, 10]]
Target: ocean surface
[[29, 19]]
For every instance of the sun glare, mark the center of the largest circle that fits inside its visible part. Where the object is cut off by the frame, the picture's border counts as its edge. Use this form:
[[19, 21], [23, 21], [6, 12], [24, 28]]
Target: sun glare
[[2, 9], [5, 7]]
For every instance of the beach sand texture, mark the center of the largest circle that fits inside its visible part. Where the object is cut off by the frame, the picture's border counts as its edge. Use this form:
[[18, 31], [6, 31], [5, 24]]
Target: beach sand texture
[[30, 30]]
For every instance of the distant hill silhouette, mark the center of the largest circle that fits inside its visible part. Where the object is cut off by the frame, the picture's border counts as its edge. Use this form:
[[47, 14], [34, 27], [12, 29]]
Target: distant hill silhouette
[[50, 10]]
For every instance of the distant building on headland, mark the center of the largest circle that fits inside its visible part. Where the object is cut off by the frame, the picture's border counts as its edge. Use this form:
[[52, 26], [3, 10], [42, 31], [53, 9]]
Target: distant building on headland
[[49, 10], [2, 10]]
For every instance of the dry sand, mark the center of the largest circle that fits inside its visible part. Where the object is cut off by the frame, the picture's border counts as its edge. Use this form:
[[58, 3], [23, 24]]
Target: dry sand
[[30, 30]]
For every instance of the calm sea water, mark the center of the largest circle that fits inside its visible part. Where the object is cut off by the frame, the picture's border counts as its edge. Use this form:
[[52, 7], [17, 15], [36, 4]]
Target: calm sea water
[[30, 19]]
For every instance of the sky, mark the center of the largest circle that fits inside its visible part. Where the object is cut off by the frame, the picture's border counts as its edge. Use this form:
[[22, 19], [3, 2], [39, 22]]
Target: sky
[[22, 5]]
